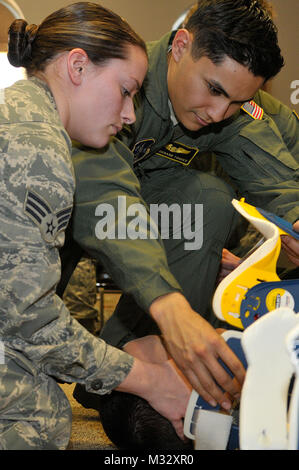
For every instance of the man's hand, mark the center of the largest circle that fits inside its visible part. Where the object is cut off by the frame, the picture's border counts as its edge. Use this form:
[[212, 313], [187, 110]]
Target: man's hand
[[291, 246], [229, 262], [196, 347]]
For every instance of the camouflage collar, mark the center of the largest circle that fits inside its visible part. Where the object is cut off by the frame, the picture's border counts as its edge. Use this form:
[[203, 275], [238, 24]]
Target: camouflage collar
[[44, 85]]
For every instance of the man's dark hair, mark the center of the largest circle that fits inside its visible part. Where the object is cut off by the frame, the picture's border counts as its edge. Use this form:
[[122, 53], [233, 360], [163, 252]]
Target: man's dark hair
[[131, 423], [240, 29]]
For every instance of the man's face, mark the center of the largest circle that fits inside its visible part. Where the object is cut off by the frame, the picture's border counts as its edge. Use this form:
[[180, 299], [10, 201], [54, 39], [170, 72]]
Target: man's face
[[203, 93]]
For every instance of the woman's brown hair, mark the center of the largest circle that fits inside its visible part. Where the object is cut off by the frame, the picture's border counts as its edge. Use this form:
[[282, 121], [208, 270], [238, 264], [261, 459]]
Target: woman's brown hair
[[101, 33]]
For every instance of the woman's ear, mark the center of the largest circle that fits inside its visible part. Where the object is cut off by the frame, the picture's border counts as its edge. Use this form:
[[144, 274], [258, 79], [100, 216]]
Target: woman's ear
[[77, 61], [181, 44]]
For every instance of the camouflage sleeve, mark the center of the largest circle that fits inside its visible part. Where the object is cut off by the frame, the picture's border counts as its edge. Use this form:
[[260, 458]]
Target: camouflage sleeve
[[37, 186]]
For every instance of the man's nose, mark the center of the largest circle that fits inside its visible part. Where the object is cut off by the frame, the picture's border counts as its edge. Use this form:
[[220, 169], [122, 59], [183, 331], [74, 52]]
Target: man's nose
[[219, 111]]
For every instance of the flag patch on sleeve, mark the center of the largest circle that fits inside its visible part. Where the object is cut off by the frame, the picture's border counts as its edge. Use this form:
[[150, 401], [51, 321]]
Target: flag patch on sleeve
[[255, 111]]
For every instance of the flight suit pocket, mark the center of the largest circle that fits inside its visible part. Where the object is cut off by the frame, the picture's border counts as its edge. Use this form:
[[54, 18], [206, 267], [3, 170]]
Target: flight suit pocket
[[263, 144]]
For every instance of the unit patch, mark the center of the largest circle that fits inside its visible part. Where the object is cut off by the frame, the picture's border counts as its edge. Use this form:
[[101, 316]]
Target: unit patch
[[142, 148], [178, 152], [40, 212], [296, 114], [255, 111]]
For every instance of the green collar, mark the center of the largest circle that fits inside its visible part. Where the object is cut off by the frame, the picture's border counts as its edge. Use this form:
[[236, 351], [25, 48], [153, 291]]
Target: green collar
[[155, 84]]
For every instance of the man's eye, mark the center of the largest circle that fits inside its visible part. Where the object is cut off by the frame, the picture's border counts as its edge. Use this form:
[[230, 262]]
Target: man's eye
[[214, 91]]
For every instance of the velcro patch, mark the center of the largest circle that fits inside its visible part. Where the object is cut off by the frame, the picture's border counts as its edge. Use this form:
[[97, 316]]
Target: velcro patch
[[255, 111], [40, 212], [142, 148], [178, 152]]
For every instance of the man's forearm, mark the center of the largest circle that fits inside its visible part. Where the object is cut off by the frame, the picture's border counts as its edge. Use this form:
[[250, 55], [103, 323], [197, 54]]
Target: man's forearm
[[138, 266]]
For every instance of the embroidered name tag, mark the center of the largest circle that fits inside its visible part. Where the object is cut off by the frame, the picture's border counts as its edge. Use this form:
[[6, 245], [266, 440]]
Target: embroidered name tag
[[255, 111], [40, 212], [178, 152]]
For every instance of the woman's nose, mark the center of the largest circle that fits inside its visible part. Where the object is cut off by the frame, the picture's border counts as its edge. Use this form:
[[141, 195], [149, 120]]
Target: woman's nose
[[128, 113]]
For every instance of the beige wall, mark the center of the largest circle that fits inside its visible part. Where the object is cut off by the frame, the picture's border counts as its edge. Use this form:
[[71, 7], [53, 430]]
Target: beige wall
[[287, 21], [151, 18]]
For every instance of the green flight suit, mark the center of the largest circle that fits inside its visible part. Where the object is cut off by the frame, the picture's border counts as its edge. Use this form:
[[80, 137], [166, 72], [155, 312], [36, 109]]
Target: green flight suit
[[261, 157]]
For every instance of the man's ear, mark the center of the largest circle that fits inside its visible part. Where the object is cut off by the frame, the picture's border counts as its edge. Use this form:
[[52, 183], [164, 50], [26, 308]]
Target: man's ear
[[181, 43], [77, 61]]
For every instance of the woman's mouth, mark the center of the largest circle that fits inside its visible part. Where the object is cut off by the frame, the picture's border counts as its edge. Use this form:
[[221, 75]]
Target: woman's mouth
[[116, 129]]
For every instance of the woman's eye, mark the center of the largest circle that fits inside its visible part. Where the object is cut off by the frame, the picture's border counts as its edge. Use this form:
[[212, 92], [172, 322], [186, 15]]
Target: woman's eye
[[126, 92]]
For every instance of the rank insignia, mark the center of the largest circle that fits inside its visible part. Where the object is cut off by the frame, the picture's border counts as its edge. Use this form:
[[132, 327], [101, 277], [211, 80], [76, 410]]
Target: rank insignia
[[255, 111], [40, 212]]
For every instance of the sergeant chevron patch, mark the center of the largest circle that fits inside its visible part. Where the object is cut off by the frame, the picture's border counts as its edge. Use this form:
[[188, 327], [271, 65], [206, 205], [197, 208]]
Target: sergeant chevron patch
[[255, 111], [40, 212]]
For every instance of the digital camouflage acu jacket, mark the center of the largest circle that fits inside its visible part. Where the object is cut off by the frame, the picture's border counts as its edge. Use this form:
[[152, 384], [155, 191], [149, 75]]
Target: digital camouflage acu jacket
[[36, 199]]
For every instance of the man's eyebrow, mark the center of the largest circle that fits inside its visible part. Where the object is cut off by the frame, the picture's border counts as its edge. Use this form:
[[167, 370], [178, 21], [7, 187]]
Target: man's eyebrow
[[220, 88]]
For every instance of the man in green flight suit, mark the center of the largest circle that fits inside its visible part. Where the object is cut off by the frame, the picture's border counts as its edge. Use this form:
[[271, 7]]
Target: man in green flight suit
[[201, 95]]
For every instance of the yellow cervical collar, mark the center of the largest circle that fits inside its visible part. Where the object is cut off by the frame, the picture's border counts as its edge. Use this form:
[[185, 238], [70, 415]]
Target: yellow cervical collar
[[260, 266]]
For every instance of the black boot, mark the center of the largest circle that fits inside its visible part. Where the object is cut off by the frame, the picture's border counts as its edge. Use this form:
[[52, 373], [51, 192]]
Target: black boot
[[86, 399]]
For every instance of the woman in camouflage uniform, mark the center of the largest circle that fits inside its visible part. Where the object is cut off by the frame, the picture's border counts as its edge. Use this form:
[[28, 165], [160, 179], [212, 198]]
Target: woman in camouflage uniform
[[84, 65]]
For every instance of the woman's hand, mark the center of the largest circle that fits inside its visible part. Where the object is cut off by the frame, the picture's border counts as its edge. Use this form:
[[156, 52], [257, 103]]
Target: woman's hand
[[163, 387]]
